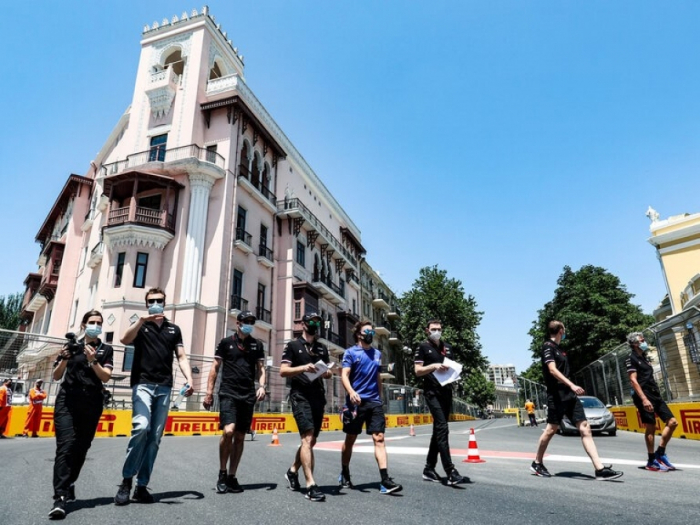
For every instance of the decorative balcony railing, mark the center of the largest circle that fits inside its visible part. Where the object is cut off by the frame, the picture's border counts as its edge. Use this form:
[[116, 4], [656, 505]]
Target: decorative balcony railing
[[263, 315], [238, 303], [159, 154], [330, 284], [244, 236], [264, 251], [331, 336], [244, 173], [133, 214]]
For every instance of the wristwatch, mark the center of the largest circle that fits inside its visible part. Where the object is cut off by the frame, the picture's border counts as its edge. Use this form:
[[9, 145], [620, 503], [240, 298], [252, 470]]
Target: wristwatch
[[92, 363]]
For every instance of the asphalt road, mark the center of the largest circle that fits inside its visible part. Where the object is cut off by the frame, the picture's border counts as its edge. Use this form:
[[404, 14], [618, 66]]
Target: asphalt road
[[502, 490]]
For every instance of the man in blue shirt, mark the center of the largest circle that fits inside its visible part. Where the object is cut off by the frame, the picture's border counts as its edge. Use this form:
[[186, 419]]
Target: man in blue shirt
[[363, 404]]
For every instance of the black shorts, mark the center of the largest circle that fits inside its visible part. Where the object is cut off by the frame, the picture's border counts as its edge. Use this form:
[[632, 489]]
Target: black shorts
[[369, 414], [571, 408], [236, 412], [660, 408], [308, 411]]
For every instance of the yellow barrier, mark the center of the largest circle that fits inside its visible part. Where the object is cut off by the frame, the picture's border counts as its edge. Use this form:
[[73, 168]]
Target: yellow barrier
[[118, 422], [687, 414]]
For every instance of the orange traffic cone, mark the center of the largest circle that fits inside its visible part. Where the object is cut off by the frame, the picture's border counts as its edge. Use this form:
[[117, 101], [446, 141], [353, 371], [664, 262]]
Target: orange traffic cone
[[473, 456], [275, 438], [412, 431]]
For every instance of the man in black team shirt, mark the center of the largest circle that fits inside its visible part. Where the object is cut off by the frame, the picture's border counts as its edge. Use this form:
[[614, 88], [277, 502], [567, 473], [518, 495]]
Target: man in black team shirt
[[562, 400], [428, 359], [243, 359], [647, 399], [308, 398], [156, 341]]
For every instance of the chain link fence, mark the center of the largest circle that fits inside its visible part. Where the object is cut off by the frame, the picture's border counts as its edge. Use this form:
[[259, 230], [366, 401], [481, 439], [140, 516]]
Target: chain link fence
[[26, 357]]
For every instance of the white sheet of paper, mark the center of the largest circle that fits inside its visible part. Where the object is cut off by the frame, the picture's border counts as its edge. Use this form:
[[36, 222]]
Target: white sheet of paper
[[321, 368], [454, 369]]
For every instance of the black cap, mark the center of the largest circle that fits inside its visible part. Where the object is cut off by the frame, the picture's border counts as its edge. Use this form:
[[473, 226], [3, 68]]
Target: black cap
[[309, 316], [246, 314]]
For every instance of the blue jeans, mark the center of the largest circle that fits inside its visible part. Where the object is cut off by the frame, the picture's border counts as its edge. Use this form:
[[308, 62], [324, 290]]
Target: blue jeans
[[148, 416]]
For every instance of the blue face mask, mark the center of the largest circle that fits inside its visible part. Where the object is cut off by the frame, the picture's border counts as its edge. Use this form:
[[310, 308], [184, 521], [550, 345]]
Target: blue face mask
[[155, 308], [247, 329], [643, 346], [93, 330]]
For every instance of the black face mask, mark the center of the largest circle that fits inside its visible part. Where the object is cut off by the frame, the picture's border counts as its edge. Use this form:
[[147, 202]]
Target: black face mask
[[367, 338]]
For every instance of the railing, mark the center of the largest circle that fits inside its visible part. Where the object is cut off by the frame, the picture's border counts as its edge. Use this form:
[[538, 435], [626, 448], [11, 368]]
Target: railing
[[160, 154], [264, 251], [331, 336], [330, 284], [238, 303], [244, 173], [263, 315], [394, 335], [144, 216], [379, 294], [98, 249], [296, 204], [244, 236]]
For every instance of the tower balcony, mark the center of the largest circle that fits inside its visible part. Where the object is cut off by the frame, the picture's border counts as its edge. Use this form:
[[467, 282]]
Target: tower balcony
[[380, 300], [244, 241], [329, 290]]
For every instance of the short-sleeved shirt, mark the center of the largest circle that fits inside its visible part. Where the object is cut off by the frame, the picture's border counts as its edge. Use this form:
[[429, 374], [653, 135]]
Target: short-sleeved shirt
[[155, 347], [300, 352], [530, 407], [80, 375], [551, 353], [645, 372], [364, 366], [428, 354], [239, 359]]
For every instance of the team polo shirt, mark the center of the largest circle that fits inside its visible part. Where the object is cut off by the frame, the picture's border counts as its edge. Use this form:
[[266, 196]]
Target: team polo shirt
[[155, 347], [79, 375], [428, 354], [300, 352], [364, 366], [645, 372], [551, 353], [239, 359]]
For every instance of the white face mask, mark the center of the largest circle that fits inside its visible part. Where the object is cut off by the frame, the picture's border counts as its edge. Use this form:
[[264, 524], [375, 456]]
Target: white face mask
[[435, 335]]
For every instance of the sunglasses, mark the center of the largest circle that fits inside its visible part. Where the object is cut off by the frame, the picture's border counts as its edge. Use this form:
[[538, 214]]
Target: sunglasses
[[156, 301], [314, 323], [369, 332]]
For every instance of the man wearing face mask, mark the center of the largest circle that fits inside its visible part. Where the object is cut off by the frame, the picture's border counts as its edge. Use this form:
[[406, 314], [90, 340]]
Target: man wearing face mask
[[308, 399], [647, 399], [428, 359], [156, 342], [242, 359], [363, 386]]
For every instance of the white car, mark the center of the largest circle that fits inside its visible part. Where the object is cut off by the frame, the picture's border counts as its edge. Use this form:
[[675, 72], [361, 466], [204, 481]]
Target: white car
[[599, 417]]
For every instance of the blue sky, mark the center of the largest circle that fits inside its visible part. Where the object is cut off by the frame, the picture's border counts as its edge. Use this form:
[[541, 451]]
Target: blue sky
[[498, 140]]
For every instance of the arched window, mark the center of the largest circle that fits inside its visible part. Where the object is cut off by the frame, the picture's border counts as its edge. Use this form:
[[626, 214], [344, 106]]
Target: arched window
[[245, 160], [174, 60], [255, 171], [266, 176]]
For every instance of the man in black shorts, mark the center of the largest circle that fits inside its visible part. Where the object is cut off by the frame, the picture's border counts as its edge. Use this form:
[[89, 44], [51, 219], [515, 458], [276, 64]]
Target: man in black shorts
[[562, 400], [243, 358], [647, 399], [308, 398]]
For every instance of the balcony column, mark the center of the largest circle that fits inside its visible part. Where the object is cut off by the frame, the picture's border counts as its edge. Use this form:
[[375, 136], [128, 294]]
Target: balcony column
[[200, 188]]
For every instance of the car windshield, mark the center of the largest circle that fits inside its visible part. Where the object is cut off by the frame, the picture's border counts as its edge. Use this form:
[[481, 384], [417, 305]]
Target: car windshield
[[591, 402]]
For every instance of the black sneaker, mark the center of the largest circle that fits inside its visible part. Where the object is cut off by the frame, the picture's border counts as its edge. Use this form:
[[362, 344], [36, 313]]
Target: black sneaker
[[429, 474], [607, 474], [344, 481], [58, 510], [454, 478], [233, 485], [221, 486], [387, 486], [540, 470], [122, 497], [141, 495], [293, 480], [70, 498], [313, 493]]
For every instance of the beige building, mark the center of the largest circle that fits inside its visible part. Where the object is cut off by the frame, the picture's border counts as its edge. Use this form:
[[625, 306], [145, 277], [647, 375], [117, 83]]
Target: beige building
[[677, 243]]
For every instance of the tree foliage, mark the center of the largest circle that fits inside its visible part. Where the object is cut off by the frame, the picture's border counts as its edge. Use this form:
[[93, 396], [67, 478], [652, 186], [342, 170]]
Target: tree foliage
[[595, 307], [436, 296], [10, 308], [479, 390]]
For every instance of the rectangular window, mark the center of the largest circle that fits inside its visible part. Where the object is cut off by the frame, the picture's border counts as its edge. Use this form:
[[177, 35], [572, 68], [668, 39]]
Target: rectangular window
[[152, 202], [109, 337], [211, 153], [261, 295], [301, 254], [140, 270], [83, 259], [240, 218], [128, 358], [237, 290], [263, 235], [119, 270], [354, 306], [157, 150], [75, 313]]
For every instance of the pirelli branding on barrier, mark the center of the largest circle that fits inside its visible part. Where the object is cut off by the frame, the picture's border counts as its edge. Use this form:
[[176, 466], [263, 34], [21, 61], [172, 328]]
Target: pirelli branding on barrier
[[687, 414]]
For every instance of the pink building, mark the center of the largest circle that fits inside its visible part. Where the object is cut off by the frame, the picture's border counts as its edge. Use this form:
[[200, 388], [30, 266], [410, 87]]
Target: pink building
[[198, 191]]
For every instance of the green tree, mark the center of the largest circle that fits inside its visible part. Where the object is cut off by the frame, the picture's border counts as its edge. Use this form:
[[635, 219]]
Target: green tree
[[10, 308], [595, 307], [436, 296], [479, 390]]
